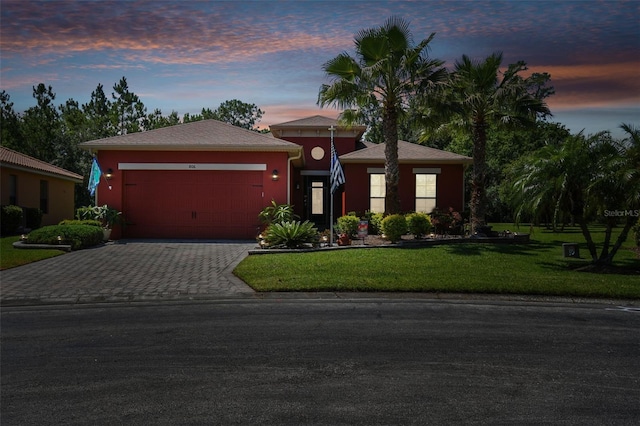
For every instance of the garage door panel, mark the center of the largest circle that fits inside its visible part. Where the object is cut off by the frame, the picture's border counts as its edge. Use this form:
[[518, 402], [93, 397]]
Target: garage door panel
[[192, 204]]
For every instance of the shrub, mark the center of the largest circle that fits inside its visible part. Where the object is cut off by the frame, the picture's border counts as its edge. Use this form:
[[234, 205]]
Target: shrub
[[78, 236], [418, 224], [33, 217], [348, 225], [375, 222], [10, 219], [291, 234], [636, 228], [450, 222], [277, 213], [394, 227], [89, 222]]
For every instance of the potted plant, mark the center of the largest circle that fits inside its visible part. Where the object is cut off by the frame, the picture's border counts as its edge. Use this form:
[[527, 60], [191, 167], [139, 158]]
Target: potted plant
[[108, 216]]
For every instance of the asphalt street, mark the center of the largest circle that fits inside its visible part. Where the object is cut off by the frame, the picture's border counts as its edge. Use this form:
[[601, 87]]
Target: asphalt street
[[321, 362]]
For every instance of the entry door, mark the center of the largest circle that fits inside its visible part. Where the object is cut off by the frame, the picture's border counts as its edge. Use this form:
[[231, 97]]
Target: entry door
[[317, 200]]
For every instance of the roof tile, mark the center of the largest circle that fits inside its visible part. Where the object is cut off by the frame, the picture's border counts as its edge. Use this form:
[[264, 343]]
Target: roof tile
[[9, 157]]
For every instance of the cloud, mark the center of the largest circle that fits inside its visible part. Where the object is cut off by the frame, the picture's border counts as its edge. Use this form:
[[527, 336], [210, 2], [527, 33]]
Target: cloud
[[602, 84], [152, 32]]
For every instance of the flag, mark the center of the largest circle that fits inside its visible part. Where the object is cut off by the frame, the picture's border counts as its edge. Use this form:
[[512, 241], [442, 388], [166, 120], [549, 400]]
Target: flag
[[94, 176], [337, 175]]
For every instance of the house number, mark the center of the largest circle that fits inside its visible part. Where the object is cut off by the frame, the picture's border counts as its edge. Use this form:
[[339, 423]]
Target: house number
[[192, 166]]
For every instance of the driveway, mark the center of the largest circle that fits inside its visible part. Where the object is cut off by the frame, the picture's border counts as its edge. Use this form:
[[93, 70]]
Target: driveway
[[131, 270]]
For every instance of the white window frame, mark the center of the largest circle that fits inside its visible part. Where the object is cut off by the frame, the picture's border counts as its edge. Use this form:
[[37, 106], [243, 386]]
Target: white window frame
[[422, 199], [377, 193]]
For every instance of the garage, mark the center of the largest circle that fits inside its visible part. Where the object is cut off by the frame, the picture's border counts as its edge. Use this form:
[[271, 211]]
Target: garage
[[201, 180], [202, 204]]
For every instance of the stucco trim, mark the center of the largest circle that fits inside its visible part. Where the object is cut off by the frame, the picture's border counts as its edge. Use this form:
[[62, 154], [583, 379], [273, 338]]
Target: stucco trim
[[192, 166], [428, 171]]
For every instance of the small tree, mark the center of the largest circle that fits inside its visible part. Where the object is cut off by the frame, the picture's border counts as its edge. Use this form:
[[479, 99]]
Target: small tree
[[584, 178]]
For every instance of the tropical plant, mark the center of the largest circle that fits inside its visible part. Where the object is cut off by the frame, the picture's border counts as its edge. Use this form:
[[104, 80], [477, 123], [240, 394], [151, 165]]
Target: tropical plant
[[479, 94], [348, 225], [584, 178], [418, 224], [394, 227], [108, 216], [277, 213], [292, 234], [387, 71]]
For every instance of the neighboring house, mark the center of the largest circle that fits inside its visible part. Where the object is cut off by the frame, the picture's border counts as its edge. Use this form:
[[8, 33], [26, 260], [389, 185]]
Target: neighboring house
[[208, 179], [29, 182]]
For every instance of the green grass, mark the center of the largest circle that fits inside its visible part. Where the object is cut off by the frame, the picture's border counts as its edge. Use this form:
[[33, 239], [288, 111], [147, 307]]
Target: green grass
[[537, 268], [11, 257]]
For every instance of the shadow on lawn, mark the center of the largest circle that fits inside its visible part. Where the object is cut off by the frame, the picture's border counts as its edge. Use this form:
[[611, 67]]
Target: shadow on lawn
[[476, 249]]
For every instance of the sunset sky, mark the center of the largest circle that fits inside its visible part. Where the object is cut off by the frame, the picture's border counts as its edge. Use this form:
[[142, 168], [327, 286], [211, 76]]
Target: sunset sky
[[186, 55]]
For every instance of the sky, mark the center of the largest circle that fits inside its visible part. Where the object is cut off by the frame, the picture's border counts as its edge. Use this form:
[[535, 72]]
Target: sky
[[187, 55]]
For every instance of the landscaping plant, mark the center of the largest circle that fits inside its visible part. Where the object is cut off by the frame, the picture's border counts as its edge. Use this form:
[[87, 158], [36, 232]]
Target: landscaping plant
[[348, 225], [394, 227], [418, 224], [10, 218], [78, 236], [292, 234], [107, 216], [277, 213]]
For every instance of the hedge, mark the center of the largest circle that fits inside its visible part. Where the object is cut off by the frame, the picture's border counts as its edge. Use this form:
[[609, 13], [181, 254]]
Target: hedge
[[78, 236], [10, 219]]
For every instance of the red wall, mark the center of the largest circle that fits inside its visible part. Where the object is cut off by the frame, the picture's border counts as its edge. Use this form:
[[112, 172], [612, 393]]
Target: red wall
[[342, 145], [276, 190], [449, 192]]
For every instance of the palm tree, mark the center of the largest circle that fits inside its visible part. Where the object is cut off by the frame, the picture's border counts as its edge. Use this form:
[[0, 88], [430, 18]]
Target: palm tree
[[387, 71], [480, 94], [586, 178]]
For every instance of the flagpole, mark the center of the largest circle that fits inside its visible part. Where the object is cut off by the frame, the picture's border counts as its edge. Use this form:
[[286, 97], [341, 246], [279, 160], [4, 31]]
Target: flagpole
[[331, 129]]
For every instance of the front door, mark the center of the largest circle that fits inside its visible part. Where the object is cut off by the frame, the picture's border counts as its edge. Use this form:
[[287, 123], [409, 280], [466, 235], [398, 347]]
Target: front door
[[317, 200]]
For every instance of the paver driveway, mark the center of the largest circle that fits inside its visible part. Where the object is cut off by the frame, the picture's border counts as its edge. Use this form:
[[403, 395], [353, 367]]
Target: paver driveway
[[130, 270]]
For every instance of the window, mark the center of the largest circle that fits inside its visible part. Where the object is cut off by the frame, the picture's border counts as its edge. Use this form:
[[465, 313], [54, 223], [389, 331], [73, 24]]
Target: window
[[317, 197], [13, 190], [44, 196], [377, 192], [425, 192]]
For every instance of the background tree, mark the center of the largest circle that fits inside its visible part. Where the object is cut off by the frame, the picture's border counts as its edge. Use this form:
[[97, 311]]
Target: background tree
[[387, 71], [238, 113], [478, 95], [128, 112], [156, 120], [41, 126], [10, 133], [98, 112]]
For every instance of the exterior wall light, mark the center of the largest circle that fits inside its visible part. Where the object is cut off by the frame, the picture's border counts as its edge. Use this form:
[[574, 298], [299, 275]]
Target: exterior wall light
[[109, 174], [275, 175]]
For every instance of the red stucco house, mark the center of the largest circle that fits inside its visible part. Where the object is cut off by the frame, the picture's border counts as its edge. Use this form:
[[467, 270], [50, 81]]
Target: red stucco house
[[208, 179]]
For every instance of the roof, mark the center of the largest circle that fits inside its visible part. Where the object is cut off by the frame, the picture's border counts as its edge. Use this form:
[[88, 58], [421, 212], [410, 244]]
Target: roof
[[407, 153], [316, 122], [204, 135], [16, 160]]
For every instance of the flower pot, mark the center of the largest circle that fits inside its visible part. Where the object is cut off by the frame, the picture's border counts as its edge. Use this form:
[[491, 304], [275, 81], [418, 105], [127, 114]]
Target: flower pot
[[106, 234]]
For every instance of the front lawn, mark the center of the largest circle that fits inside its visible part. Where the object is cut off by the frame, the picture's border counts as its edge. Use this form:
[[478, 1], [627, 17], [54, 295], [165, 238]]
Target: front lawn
[[11, 257], [537, 268]]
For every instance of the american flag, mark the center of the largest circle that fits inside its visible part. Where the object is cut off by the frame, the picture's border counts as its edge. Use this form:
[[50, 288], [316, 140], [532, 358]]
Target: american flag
[[337, 175]]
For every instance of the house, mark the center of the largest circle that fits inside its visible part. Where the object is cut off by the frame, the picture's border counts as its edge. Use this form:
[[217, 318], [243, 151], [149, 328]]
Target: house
[[31, 183], [208, 179]]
